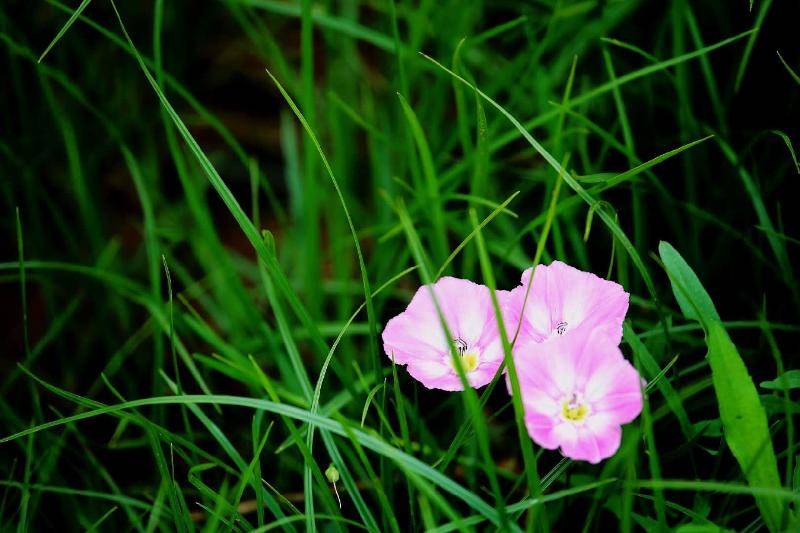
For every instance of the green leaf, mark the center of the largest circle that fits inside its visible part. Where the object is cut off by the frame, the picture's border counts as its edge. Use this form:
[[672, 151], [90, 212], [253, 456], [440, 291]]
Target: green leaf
[[693, 299], [701, 528], [431, 191], [744, 422], [787, 380]]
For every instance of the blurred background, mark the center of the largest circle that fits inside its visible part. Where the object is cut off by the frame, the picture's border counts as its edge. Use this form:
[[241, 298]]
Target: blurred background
[[115, 217]]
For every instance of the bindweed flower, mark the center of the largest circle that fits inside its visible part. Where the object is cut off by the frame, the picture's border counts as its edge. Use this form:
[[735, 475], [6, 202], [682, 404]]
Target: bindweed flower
[[415, 337], [577, 391], [562, 298]]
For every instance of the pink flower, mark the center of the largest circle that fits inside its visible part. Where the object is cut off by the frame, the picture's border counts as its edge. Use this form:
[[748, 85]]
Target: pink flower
[[416, 338], [577, 391], [560, 299]]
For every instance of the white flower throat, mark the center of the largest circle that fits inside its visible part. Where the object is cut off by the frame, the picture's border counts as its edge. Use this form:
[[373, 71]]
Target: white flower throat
[[574, 409], [469, 356]]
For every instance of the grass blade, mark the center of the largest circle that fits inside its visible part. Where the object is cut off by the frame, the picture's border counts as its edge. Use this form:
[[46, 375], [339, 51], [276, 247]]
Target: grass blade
[[67, 25]]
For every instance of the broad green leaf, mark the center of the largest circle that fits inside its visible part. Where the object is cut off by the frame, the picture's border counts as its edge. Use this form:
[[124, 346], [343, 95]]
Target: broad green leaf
[[744, 421], [701, 528], [693, 299]]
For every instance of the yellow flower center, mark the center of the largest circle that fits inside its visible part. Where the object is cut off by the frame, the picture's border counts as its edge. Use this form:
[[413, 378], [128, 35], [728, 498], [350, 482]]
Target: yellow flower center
[[469, 361], [573, 409]]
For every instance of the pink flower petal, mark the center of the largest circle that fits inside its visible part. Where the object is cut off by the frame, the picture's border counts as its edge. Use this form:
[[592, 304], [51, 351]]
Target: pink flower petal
[[429, 371], [538, 401], [562, 298], [588, 442], [416, 338], [540, 428], [577, 390], [622, 397], [566, 434], [534, 323], [607, 435], [548, 366]]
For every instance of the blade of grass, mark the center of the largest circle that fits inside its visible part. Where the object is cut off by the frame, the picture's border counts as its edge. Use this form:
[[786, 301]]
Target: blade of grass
[[431, 196], [151, 248], [784, 376], [24, 503], [500, 208], [788, 142], [751, 41], [311, 234], [469, 395], [362, 267], [653, 372], [725, 488], [326, 21], [531, 471], [752, 190], [181, 522], [627, 136], [705, 66], [573, 183], [464, 430], [70, 491], [23, 286], [527, 503], [789, 69], [367, 440], [228, 199], [100, 520], [67, 25], [647, 423], [591, 94]]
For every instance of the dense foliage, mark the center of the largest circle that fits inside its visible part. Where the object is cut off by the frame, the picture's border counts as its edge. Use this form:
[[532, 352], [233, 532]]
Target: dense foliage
[[210, 211]]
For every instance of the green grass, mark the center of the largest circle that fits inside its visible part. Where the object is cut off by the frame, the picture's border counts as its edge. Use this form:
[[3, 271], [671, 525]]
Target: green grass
[[211, 210]]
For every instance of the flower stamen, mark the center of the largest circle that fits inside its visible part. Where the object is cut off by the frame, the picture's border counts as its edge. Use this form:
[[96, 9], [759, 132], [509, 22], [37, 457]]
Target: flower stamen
[[469, 358], [461, 346], [573, 409]]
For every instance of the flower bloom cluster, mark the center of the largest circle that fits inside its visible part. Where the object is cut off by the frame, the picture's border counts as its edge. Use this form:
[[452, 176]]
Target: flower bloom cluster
[[566, 325]]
